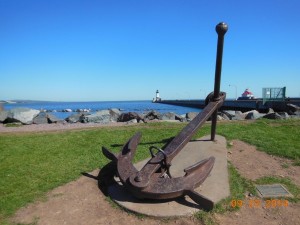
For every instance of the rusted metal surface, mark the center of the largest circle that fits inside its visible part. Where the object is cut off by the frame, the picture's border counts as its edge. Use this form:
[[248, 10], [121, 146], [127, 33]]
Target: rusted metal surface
[[221, 29], [154, 180]]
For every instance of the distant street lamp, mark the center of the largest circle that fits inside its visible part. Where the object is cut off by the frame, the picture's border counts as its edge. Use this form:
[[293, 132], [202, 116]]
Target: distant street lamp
[[235, 90]]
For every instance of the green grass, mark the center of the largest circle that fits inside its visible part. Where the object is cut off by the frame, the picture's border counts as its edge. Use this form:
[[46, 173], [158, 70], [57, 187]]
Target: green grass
[[34, 163], [13, 125], [275, 137]]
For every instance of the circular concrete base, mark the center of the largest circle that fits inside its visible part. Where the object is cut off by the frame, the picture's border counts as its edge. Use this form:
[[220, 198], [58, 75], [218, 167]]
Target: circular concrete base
[[179, 207], [215, 187]]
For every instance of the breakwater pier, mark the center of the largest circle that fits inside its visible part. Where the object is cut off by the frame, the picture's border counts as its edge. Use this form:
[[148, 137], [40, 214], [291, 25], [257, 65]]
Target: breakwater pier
[[239, 105]]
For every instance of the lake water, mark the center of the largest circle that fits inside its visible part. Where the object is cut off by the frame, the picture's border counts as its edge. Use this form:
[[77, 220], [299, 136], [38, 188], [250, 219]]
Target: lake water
[[124, 106]]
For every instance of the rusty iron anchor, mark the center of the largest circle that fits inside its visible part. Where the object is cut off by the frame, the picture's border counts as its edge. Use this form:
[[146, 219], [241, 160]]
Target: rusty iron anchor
[[154, 180]]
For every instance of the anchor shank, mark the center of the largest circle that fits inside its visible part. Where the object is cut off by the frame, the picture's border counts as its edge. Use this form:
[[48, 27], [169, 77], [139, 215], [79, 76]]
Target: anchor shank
[[187, 133], [176, 145]]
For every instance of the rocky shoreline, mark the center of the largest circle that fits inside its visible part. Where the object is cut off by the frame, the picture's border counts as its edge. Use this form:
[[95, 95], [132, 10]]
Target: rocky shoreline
[[27, 116]]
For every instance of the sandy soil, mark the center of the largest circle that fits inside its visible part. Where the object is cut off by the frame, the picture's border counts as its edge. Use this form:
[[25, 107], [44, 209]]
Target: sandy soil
[[253, 164], [55, 127], [82, 202]]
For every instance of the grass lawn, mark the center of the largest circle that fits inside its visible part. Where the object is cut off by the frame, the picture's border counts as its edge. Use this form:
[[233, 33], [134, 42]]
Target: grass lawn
[[34, 163]]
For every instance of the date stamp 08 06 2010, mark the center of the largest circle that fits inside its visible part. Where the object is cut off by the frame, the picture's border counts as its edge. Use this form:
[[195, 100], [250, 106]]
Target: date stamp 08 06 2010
[[256, 203]]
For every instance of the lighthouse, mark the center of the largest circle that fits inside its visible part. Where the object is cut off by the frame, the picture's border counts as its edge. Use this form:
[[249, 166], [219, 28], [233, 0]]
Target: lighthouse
[[157, 98]]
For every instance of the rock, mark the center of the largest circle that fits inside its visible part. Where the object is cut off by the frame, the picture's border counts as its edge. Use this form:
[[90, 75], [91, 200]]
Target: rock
[[270, 110], [253, 115], [114, 113], [293, 109], [53, 119], [230, 114], [132, 121], [41, 118], [22, 115], [224, 116], [272, 116], [153, 115], [102, 116], [284, 115], [239, 116], [75, 118], [171, 116], [67, 110], [191, 115], [3, 116], [180, 118], [219, 118], [168, 116], [124, 117]]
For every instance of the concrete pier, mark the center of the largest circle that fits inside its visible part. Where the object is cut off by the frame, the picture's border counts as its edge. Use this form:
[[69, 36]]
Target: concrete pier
[[238, 105]]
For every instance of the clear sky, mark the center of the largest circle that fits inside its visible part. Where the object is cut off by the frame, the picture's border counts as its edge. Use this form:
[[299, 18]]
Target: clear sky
[[97, 50]]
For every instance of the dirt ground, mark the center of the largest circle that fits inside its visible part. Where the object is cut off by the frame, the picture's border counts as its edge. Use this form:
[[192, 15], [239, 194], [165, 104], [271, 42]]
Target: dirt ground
[[82, 202]]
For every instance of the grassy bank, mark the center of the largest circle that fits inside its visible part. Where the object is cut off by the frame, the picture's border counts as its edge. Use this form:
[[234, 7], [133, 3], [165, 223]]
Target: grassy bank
[[34, 163]]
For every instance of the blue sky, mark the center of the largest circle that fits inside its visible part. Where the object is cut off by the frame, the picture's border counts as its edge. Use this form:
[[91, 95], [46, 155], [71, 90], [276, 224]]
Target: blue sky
[[126, 49]]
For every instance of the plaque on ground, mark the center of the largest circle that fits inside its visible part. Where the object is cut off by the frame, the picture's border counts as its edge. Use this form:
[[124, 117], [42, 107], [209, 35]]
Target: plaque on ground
[[273, 191]]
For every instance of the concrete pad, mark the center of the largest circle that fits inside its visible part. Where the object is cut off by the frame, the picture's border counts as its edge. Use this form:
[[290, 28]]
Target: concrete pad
[[215, 187]]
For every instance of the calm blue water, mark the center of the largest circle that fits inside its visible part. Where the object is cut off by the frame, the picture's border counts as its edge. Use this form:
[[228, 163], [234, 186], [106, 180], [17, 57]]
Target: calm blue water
[[125, 106]]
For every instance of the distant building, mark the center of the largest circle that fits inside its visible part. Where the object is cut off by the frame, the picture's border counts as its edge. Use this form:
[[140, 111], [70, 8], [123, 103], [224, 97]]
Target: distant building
[[247, 95], [274, 94], [157, 98]]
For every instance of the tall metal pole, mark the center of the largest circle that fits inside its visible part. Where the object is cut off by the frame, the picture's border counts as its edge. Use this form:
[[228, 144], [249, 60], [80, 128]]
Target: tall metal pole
[[221, 29]]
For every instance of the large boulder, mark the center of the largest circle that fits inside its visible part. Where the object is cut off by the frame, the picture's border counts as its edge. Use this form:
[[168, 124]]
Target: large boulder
[[293, 109], [191, 115], [114, 113], [171, 116], [223, 116], [229, 113], [44, 118], [102, 116], [152, 115], [22, 115], [133, 121], [3, 116], [168, 116], [272, 116], [253, 115], [284, 115], [75, 118], [53, 119], [125, 117], [41, 118], [67, 110], [239, 116]]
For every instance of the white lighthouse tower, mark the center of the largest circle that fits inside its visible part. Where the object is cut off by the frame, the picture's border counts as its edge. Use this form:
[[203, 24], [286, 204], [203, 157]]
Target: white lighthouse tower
[[157, 98]]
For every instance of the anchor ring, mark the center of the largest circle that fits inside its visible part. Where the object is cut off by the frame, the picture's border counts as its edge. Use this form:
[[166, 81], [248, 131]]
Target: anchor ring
[[159, 150]]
